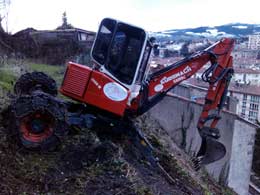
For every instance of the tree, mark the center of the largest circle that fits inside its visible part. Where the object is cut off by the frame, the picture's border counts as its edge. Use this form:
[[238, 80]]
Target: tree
[[64, 19], [4, 11], [184, 51], [4, 3], [65, 24], [1, 27]]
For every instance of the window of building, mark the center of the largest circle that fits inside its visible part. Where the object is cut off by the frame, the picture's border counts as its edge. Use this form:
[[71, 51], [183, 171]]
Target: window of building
[[244, 105], [252, 115], [255, 99], [254, 106], [244, 97], [82, 36], [243, 113], [90, 38]]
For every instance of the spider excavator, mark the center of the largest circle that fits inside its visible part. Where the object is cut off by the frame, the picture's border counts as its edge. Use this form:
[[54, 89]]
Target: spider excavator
[[117, 88]]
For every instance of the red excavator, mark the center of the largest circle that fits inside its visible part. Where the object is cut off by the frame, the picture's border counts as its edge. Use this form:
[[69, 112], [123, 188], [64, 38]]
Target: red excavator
[[118, 87]]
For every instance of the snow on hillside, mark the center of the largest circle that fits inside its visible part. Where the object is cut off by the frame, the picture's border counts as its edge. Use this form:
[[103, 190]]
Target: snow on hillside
[[240, 27], [228, 30]]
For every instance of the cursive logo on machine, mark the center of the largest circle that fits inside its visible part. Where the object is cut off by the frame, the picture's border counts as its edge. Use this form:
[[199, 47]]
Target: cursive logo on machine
[[175, 78], [115, 92]]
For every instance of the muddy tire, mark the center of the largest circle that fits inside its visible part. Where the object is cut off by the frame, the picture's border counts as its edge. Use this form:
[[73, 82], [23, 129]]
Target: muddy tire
[[39, 121], [30, 82]]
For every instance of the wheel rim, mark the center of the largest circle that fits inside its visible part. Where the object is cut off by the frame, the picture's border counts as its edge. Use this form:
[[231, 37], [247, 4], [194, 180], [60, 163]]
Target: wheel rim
[[37, 127]]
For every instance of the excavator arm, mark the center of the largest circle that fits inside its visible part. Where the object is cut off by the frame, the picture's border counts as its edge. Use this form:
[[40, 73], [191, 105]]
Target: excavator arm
[[218, 75], [219, 56]]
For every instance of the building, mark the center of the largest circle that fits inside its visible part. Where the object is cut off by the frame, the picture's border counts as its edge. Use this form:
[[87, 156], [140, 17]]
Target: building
[[53, 46], [254, 41], [247, 99], [249, 76], [244, 58], [79, 37]]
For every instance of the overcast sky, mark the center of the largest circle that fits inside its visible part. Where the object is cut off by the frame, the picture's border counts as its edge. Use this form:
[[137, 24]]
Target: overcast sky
[[152, 15]]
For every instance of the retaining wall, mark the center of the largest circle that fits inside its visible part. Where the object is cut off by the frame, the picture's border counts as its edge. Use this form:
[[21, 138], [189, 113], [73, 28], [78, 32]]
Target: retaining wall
[[179, 116]]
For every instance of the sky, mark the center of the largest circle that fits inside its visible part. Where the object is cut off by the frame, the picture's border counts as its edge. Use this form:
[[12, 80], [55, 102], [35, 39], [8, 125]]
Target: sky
[[152, 15]]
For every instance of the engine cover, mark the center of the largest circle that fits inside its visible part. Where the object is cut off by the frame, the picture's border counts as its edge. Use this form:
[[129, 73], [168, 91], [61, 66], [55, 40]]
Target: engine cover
[[95, 88]]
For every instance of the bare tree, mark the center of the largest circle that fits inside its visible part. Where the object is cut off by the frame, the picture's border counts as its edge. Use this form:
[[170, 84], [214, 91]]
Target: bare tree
[[4, 11], [4, 4]]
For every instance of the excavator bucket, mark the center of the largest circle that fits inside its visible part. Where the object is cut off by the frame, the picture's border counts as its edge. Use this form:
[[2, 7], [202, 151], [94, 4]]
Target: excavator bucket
[[214, 151], [210, 151]]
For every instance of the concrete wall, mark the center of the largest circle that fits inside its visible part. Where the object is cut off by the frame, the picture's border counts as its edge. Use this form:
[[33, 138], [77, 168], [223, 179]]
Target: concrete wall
[[179, 116], [241, 157], [194, 93]]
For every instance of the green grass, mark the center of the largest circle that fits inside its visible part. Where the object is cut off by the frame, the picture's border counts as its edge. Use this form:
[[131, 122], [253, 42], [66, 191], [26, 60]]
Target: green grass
[[7, 79], [56, 72], [51, 69]]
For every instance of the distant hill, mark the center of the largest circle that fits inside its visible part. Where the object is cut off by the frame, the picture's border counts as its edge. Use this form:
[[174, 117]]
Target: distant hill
[[235, 30]]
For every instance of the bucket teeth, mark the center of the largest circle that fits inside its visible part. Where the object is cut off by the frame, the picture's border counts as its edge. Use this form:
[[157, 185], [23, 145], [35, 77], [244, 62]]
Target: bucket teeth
[[210, 151], [196, 161]]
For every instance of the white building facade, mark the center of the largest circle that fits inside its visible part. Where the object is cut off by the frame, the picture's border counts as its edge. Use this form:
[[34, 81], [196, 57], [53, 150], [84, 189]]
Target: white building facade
[[248, 106], [247, 76], [254, 41], [240, 76]]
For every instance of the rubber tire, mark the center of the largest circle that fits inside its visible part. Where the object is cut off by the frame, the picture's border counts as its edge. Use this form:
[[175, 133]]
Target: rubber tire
[[29, 82], [59, 128]]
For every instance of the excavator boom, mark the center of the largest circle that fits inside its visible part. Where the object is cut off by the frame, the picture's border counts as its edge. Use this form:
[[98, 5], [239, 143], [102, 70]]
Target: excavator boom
[[169, 77]]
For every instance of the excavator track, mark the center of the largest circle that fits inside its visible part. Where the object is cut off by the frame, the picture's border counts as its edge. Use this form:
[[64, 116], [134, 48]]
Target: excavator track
[[30, 82], [39, 120]]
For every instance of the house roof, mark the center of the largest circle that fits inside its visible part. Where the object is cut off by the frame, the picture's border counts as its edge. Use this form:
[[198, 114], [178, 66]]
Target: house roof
[[238, 71], [245, 89], [66, 30], [233, 87], [246, 71]]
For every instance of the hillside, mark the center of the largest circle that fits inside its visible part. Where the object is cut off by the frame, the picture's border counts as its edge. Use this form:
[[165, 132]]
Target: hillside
[[91, 163], [97, 162], [235, 30]]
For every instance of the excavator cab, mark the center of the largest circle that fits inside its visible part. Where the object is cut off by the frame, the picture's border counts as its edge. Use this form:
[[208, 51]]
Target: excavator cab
[[120, 54], [119, 50]]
